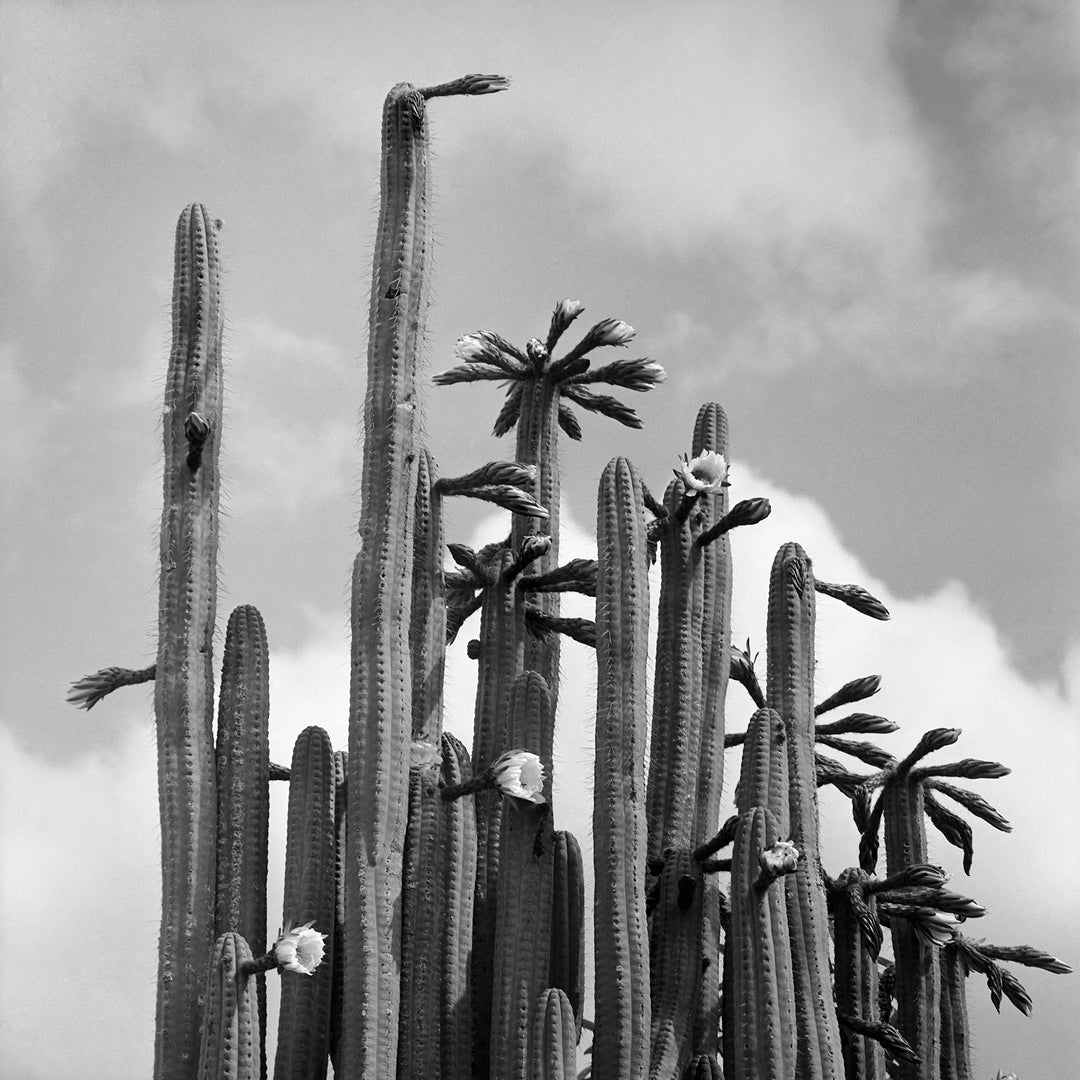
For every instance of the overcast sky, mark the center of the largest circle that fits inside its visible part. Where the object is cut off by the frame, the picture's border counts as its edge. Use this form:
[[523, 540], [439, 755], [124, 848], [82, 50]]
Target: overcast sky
[[852, 224]]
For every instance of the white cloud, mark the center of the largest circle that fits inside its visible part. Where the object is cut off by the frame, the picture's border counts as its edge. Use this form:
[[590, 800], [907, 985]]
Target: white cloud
[[80, 842]]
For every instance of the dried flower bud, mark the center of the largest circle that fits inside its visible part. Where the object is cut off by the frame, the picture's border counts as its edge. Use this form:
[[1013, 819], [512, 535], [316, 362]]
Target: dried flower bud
[[934, 928]]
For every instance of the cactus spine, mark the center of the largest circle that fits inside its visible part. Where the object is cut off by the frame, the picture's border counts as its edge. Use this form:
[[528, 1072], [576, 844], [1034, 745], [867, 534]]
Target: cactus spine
[[621, 1043], [184, 682]]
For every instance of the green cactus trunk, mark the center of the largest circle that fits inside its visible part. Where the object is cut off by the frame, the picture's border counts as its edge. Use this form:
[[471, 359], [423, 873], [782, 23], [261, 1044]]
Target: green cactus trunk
[[184, 682], [621, 1043]]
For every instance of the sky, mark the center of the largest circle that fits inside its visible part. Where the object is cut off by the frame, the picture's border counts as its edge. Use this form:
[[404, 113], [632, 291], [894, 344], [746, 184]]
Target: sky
[[853, 225]]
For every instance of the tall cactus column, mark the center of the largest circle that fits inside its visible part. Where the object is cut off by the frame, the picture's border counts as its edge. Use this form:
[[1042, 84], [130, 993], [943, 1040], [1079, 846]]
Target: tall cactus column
[[380, 721], [184, 684], [791, 693], [621, 1044]]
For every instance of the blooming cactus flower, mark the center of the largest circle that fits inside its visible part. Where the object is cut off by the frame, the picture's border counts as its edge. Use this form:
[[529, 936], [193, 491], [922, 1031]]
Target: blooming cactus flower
[[935, 927], [781, 858], [300, 949], [704, 475], [521, 775]]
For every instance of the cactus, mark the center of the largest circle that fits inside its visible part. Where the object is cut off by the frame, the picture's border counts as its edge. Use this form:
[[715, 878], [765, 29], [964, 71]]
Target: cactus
[[230, 1032], [184, 682], [621, 1043], [310, 870], [449, 908], [243, 785]]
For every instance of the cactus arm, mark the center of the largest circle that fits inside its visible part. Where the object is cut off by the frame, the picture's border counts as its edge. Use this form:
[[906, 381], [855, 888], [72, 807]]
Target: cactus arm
[[184, 685], [381, 684], [711, 433], [243, 784], [854, 919], [457, 883], [523, 919], [620, 938], [427, 624], [502, 639], [759, 1015], [337, 992], [230, 1032], [675, 963], [955, 1030], [791, 693], [310, 870], [553, 1041], [419, 1049], [568, 923], [676, 724], [763, 779]]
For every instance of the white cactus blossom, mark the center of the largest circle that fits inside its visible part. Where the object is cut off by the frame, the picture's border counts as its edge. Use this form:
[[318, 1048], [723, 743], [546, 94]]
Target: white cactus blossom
[[520, 774], [300, 949], [705, 474], [781, 858], [934, 927]]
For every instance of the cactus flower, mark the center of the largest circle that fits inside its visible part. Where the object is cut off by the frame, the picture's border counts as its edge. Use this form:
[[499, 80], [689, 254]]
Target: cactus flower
[[781, 858], [705, 474], [935, 928], [521, 775], [300, 949]]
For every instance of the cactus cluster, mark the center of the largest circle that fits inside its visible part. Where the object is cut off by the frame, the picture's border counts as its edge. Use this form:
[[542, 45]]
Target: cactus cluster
[[433, 922]]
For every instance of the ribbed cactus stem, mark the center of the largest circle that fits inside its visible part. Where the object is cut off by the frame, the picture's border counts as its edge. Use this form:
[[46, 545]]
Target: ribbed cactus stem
[[856, 972], [243, 783], [538, 445], [523, 927], [427, 626], [457, 883], [184, 683], [553, 1040], [419, 1042], [310, 869], [791, 624], [759, 1013], [621, 1043], [918, 979], [711, 433], [677, 706], [955, 1028], [337, 990], [502, 636], [568, 922], [381, 711], [230, 1032], [763, 778], [675, 963]]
